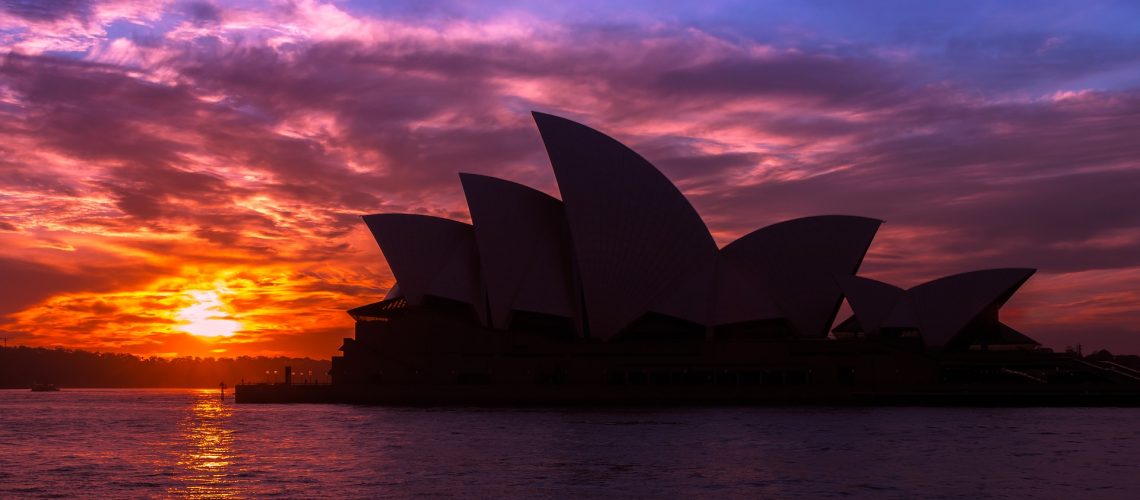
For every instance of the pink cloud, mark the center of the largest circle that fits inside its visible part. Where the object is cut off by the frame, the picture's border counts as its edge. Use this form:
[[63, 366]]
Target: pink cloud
[[250, 140]]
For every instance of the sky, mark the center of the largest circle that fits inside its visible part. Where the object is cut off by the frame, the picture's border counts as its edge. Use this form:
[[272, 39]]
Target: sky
[[187, 177]]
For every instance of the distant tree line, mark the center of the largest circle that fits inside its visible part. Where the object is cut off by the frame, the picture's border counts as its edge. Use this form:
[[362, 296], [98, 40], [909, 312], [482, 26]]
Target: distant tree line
[[20, 367]]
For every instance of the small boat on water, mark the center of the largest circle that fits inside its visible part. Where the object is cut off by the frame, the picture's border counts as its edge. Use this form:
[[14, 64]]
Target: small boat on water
[[45, 388]]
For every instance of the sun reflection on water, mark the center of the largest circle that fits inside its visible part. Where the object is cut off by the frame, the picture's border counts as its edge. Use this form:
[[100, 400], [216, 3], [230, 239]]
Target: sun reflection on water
[[207, 457]]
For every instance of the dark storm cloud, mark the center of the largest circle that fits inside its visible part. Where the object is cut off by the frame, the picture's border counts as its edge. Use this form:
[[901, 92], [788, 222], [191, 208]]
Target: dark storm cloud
[[833, 80], [916, 150], [37, 281], [1015, 60], [24, 179], [111, 117], [202, 12], [375, 99], [706, 164], [48, 10], [1044, 182], [149, 193], [94, 111]]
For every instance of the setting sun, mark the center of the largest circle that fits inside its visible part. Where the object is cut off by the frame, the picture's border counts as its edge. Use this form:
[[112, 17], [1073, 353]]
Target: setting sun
[[207, 316]]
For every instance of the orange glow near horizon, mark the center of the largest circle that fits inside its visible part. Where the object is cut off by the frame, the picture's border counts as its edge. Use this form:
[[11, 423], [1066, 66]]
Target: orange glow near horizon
[[207, 316], [200, 194], [242, 311]]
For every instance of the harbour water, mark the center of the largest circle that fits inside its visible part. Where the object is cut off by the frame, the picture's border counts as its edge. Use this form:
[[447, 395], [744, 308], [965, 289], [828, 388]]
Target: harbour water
[[189, 443]]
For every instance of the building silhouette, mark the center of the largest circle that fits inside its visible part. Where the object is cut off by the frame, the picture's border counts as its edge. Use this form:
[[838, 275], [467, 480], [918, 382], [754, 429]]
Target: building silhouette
[[618, 292]]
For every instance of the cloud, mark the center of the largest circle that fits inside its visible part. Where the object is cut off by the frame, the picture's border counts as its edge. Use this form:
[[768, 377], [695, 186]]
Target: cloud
[[54, 10], [38, 281], [239, 144], [203, 12], [792, 76]]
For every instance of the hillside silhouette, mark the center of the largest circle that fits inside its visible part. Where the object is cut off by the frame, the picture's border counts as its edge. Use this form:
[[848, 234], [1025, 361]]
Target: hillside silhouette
[[21, 366]]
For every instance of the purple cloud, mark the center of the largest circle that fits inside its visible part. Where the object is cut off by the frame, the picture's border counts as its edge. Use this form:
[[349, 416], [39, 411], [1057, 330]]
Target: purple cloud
[[227, 141]]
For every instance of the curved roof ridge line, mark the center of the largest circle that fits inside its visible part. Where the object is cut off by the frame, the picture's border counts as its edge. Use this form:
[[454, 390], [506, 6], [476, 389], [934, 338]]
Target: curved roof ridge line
[[498, 317], [946, 305], [507, 181], [547, 116], [1030, 270], [523, 246], [797, 261], [418, 248], [872, 301], [632, 230], [804, 219]]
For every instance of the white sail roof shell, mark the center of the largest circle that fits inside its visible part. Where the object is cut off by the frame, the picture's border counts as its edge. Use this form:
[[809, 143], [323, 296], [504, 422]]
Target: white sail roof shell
[[625, 242], [429, 256], [524, 248], [871, 300], [690, 296], [741, 295], [947, 305], [940, 309], [634, 235], [797, 260]]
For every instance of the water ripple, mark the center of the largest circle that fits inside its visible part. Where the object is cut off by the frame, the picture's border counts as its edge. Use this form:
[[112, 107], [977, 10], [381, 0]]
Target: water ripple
[[190, 444]]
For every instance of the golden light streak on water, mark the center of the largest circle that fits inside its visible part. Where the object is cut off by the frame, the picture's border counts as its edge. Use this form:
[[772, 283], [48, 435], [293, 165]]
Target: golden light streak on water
[[208, 452]]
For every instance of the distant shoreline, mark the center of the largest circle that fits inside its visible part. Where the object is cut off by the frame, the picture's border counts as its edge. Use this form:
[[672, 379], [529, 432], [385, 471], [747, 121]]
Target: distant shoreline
[[21, 367]]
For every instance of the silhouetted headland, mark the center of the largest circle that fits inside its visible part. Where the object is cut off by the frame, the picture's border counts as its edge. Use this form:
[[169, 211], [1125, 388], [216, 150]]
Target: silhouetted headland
[[618, 294], [23, 367]]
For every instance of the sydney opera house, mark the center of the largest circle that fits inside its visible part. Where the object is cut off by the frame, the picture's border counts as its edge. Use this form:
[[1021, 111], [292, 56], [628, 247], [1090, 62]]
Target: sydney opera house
[[617, 292]]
